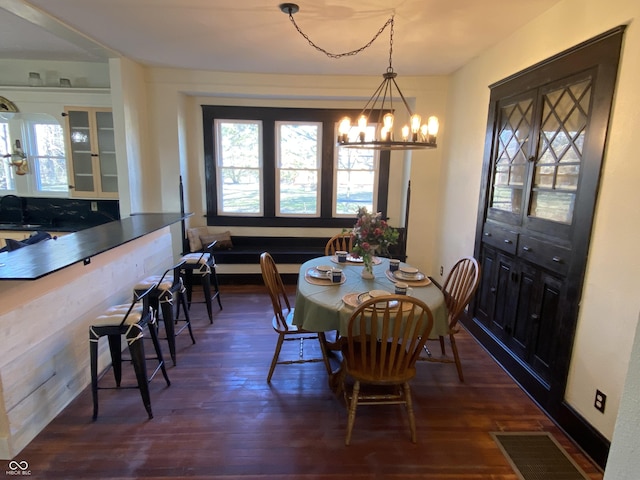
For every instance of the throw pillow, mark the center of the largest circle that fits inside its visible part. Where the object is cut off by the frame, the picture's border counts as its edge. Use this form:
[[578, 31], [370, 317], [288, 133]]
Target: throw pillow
[[193, 234], [224, 240]]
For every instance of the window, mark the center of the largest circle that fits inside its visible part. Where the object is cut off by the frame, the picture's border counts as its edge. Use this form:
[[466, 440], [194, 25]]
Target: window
[[42, 141], [6, 174], [46, 149], [279, 167], [239, 167], [298, 168]]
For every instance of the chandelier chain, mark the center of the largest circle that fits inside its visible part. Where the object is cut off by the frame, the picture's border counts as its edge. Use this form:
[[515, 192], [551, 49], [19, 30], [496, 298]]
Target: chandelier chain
[[352, 52]]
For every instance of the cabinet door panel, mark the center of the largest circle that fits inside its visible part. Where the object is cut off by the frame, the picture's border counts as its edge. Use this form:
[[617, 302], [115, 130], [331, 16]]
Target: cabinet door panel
[[546, 326], [486, 296], [522, 320]]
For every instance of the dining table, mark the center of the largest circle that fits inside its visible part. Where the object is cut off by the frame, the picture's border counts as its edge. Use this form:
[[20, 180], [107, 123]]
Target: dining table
[[322, 305]]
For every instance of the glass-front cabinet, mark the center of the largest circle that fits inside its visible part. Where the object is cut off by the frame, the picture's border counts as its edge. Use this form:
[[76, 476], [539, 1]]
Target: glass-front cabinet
[[91, 146]]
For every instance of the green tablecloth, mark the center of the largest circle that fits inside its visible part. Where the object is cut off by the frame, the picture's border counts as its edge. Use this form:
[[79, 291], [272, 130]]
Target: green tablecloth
[[319, 308]]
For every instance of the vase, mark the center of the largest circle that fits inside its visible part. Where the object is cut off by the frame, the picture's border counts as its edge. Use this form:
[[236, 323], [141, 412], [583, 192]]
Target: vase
[[367, 271]]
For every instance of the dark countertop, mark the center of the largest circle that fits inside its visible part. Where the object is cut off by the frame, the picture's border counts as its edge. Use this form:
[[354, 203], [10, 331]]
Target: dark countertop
[[36, 261]]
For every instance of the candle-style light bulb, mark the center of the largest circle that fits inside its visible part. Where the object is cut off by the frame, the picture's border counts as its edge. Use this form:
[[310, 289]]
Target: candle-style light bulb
[[415, 123], [387, 122], [433, 126], [343, 129], [362, 127], [405, 133]]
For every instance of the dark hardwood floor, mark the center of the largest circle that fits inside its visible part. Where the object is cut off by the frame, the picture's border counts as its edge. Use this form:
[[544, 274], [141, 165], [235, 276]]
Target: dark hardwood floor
[[220, 419]]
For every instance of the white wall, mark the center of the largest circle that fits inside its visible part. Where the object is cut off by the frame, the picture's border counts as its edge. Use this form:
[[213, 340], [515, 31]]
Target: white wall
[[610, 303], [175, 98]]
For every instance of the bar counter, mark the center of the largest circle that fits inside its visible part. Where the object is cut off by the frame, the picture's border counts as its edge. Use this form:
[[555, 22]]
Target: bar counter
[[36, 261], [50, 294]]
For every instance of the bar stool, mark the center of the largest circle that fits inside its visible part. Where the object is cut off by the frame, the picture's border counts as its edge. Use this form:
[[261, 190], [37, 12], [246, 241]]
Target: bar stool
[[204, 265], [128, 321], [168, 286]]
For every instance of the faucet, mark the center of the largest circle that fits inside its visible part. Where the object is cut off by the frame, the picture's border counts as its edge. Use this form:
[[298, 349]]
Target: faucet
[[19, 207]]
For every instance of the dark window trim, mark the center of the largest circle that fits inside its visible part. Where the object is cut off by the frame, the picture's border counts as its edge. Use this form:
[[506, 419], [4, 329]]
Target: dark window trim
[[268, 116]]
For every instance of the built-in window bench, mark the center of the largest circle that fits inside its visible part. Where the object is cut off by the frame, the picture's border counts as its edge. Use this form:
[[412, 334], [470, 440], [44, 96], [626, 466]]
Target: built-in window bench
[[239, 263]]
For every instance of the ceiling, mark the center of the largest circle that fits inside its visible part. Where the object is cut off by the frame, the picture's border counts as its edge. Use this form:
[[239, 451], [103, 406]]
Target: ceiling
[[431, 37]]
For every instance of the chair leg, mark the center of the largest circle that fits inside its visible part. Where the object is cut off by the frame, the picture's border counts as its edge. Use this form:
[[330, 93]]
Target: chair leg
[[115, 346], [353, 405], [442, 345], [409, 404], [456, 357], [136, 348], [169, 328], [325, 355], [276, 354], [93, 351]]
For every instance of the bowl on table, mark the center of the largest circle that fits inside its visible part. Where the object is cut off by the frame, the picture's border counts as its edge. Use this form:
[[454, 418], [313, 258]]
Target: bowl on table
[[409, 272]]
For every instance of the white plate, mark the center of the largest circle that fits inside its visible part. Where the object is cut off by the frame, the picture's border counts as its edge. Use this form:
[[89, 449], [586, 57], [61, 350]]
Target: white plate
[[411, 278], [351, 258], [312, 272], [363, 297]]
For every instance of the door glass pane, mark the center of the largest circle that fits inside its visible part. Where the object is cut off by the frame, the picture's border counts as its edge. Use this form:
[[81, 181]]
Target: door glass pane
[[298, 168], [239, 167], [561, 140], [510, 164]]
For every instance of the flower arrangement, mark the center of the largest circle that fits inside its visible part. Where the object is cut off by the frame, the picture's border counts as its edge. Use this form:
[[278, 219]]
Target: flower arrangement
[[372, 234]]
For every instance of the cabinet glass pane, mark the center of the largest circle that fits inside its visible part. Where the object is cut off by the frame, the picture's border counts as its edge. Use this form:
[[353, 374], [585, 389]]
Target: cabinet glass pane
[[82, 164], [553, 205], [510, 157], [557, 172], [509, 199], [109, 184], [84, 183]]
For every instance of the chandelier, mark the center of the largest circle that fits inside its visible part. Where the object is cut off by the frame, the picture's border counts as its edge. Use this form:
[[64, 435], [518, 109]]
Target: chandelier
[[379, 109]]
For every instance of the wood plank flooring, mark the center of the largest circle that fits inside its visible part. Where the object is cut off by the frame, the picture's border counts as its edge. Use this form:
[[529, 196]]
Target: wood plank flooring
[[219, 419]]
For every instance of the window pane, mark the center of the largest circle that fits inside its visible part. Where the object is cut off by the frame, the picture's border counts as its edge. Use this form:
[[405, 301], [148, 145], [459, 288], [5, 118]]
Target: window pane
[[6, 175], [239, 167], [298, 168], [49, 161], [356, 177]]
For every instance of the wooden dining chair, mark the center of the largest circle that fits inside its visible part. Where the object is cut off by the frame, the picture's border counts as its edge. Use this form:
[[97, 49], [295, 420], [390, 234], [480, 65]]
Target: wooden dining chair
[[382, 343], [283, 317], [341, 241], [458, 289]]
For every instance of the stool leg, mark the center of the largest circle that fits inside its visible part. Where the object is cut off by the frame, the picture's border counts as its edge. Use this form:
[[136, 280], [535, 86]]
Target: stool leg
[[169, 328], [182, 298], [206, 289], [156, 345], [216, 285], [115, 346], [188, 284], [93, 351], [136, 348]]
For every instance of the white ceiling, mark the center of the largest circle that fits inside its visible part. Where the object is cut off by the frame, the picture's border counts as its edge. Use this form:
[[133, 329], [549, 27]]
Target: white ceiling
[[432, 37]]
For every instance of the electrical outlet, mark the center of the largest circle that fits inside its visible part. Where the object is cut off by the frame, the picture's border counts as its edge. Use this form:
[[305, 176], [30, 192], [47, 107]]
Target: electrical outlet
[[441, 270], [94, 206], [600, 401]]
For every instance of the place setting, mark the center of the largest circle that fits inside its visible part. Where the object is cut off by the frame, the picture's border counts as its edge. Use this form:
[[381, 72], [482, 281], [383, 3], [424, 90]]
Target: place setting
[[411, 275], [355, 299], [325, 275], [342, 257]]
